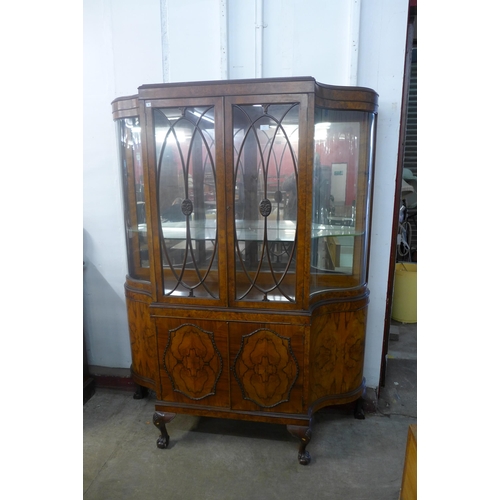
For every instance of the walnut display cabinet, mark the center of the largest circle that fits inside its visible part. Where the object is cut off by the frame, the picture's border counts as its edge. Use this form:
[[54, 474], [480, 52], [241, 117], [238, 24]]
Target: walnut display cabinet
[[247, 214]]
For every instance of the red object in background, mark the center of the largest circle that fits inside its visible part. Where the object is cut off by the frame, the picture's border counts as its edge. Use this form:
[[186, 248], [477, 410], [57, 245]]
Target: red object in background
[[341, 148]]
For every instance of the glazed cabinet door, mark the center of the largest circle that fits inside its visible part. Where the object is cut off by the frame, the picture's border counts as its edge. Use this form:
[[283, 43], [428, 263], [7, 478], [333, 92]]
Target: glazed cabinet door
[[185, 147], [265, 144], [343, 146], [134, 196]]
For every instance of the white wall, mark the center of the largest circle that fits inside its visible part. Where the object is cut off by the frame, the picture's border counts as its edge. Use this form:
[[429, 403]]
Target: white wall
[[191, 40], [307, 38], [296, 40], [340, 42], [381, 65], [117, 34]]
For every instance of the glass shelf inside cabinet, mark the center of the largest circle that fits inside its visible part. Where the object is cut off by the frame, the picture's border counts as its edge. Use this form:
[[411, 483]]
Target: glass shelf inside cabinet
[[273, 230], [198, 230], [323, 231]]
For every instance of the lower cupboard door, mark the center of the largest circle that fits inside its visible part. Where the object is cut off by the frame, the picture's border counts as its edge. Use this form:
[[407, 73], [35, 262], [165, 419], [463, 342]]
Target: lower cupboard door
[[266, 367], [193, 361]]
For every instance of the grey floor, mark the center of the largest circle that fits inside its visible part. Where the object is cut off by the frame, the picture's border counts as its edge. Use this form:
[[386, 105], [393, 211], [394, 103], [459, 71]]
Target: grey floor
[[225, 459]]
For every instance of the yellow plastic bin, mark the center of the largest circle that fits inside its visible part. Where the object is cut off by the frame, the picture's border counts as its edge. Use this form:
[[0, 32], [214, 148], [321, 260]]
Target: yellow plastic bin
[[404, 301]]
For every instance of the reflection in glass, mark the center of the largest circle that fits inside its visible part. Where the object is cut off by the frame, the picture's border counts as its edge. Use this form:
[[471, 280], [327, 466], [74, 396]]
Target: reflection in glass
[[186, 198], [129, 131], [265, 200]]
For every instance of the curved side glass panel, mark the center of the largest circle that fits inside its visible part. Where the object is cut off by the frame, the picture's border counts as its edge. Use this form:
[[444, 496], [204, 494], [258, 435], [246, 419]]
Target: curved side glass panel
[[129, 140], [343, 141], [265, 200], [186, 200]]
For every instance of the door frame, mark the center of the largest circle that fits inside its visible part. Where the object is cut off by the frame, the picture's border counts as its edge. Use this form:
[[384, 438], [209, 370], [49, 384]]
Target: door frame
[[410, 36]]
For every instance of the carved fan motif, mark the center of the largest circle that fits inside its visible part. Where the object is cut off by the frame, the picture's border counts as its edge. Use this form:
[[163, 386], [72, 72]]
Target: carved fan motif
[[192, 361], [266, 368]]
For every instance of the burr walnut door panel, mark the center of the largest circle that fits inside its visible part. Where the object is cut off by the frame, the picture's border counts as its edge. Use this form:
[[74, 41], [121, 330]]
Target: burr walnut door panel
[[266, 367], [193, 361], [337, 352], [142, 340]]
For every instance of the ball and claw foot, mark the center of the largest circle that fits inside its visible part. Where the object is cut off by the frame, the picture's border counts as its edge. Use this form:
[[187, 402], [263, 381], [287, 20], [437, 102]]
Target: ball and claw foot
[[162, 442], [304, 433], [304, 457], [160, 419]]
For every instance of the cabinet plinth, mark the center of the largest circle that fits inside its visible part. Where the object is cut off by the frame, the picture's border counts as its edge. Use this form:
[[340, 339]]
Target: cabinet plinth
[[247, 218]]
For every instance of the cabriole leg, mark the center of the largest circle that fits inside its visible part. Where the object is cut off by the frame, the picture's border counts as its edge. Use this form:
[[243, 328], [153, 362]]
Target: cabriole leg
[[160, 420], [304, 433]]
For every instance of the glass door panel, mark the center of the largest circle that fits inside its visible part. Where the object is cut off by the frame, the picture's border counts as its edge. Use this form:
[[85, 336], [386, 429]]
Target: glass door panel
[[187, 200], [129, 140], [265, 139], [340, 191]]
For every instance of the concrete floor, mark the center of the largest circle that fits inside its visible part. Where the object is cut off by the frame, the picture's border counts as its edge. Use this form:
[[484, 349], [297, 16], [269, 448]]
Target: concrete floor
[[224, 459]]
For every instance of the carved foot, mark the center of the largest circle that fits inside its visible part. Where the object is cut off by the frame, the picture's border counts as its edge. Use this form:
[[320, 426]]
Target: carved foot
[[304, 433], [141, 392], [359, 413], [160, 419]]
